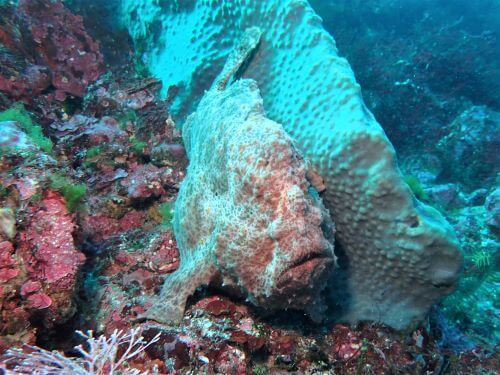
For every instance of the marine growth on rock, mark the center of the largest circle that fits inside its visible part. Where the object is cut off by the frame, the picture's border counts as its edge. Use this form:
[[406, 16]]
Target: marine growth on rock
[[401, 255], [201, 187]]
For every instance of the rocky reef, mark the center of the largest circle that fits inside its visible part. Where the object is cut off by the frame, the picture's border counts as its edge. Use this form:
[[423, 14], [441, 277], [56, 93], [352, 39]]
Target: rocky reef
[[109, 192], [307, 87], [53, 48]]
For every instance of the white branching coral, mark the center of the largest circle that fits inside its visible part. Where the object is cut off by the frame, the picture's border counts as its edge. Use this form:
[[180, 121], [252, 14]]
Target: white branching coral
[[101, 356]]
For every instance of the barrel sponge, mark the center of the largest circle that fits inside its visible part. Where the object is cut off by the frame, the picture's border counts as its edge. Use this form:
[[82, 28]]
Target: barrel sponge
[[245, 212], [401, 255]]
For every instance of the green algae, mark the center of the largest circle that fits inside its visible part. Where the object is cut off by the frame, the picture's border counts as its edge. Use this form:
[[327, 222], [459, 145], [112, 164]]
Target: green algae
[[34, 131], [416, 187], [91, 156], [125, 118], [137, 146], [166, 211], [73, 193]]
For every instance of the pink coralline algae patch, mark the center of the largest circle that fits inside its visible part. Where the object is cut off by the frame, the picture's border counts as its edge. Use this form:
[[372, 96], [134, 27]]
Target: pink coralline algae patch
[[30, 287], [53, 256], [101, 227], [64, 46], [38, 271], [348, 344], [8, 265], [8, 274], [147, 180], [18, 78], [34, 80], [39, 301]]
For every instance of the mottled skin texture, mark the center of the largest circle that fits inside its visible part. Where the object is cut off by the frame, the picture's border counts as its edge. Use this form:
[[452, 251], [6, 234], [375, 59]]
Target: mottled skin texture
[[246, 213], [400, 255]]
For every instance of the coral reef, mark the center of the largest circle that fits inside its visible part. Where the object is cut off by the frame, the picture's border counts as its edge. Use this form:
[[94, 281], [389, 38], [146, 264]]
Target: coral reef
[[65, 48], [248, 215], [223, 336], [470, 149], [115, 159], [58, 58], [308, 88], [430, 75], [39, 270]]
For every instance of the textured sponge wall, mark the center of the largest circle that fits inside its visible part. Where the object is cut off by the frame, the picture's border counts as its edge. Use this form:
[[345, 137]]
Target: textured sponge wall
[[402, 255]]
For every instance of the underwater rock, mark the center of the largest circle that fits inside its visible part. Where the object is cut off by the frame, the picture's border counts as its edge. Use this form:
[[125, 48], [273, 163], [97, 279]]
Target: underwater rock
[[445, 195], [470, 150], [492, 205], [136, 95], [220, 335], [471, 308], [50, 257], [100, 131], [426, 167], [20, 75], [30, 82], [477, 197], [14, 141], [147, 181], [61, 42], [45, 52], [245, 212], [98, 228], [38, 272], [130, 265], [7, 223], [401, 255], [163, 154]]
